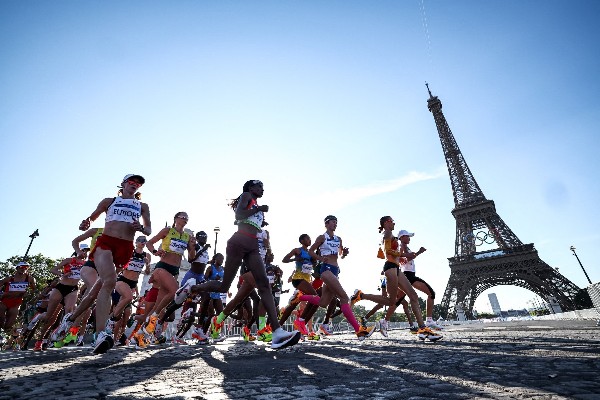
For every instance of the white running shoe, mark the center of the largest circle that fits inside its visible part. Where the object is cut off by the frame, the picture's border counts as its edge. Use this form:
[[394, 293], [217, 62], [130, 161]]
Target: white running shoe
[[326, 329], [282, 339], [433, 326], [182, 293], [199, 334], [61, 332], [383, 327], [104, 342]]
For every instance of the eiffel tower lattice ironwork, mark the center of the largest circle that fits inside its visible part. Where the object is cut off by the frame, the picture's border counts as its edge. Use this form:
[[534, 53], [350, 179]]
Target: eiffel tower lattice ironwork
[[506, 260]]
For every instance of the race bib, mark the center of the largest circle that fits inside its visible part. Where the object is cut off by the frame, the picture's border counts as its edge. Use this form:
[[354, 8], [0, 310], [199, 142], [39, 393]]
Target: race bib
[[177, 246], [224, 297], [277, 294], [75, 273], [17, 286], [307, 268], [136, 266], [271, 279]]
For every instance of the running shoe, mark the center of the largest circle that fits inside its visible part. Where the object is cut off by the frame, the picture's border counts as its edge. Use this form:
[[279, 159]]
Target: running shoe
[[104, 342], [140, 341], [62, 330], [414, 330], [300, 325], [296, 299], [199, 334], [383, 327], [178, 340], [182, 293], [264, 335], [44, 344], [364, 333], [151, 325], [68, 339], [160, 340], [313, 336], [79, 341], [122, 340], [158, 330], [426, 333], [433, 326], [356, 297], [215, 328], [110, 326], [38, 346], [326, 329], [203, 342], [282, 339], [247, 335]]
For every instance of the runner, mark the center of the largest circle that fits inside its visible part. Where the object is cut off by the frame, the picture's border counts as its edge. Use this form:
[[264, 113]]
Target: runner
[[243, 246], [409, 271], [127, 281], [74, 321], [330, 247], [13, 289], [114, 247], [174, 242], [64, 293], [395, 281]]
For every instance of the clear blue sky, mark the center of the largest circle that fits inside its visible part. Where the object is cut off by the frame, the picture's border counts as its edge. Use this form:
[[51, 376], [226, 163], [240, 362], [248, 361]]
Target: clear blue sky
[[323, 101]]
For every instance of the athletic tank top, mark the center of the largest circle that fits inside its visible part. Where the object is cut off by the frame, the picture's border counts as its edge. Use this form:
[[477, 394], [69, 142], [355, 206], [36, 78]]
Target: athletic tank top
[[330, 246], [137, 262], [304, 265], [409, 266], [216, 273], [255, 220], [175, 242], [201, 257], [16, 287], [124, 210], [73, 269]]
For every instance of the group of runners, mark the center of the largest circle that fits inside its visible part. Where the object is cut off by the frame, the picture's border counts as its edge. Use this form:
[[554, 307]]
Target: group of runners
[[102, 279]]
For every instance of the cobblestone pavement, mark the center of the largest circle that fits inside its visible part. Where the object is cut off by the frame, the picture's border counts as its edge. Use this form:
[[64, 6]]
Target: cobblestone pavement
[[509, 360]]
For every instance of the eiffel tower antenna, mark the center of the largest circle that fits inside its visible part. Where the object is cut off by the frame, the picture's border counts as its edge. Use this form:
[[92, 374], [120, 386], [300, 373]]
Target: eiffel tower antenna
[[508, 262]]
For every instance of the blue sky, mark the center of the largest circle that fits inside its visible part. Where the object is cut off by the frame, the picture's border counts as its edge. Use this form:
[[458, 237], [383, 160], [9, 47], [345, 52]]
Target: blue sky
[[323, 101]]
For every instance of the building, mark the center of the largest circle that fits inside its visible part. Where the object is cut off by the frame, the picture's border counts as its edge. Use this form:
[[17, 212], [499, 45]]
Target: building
[[495, 304]]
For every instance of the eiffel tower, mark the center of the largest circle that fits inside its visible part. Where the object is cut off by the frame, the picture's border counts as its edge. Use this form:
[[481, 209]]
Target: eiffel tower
[[505, 260]]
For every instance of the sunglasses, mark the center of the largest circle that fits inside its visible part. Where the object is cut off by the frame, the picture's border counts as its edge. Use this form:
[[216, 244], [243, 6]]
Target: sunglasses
[[134, 183], [182, 217]]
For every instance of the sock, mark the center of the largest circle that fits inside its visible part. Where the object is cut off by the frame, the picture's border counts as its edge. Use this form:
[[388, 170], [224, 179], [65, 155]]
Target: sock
[[347, 311], [262, 321], [221, 317], [310, 299]]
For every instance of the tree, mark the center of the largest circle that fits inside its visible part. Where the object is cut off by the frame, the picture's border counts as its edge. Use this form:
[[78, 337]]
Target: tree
[[40, 267]]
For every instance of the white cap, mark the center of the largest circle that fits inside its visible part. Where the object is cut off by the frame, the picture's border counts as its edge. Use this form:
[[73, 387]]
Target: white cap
[[138, 177], [22, 264], [84, 246], [405, 233]]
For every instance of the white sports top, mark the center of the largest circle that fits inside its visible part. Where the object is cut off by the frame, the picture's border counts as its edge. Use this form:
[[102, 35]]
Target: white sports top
[[124, 210], [330, 246], [409, 266]]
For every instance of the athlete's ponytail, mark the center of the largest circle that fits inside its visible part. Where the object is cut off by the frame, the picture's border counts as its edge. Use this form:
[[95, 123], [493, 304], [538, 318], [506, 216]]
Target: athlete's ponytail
[[245, 188], [382, 221]]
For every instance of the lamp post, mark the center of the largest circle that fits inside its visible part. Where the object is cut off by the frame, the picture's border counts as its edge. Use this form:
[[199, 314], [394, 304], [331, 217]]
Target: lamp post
[[572, 248], [32, 236], [217, 230]]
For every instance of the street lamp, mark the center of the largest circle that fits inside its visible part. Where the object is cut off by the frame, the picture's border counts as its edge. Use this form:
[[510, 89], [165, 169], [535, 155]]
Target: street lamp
[[32, 236], [572, 248], [217, 230]]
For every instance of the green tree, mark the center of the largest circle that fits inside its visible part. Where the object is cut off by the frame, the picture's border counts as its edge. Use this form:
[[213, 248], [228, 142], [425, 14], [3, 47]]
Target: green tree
[[40, 267]]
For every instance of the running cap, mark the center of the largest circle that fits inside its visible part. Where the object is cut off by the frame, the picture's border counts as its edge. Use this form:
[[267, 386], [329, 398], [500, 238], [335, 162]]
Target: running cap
[[84, 246], [23, 264], [201, 233], [405, 233], [330, 218], [134, 176]]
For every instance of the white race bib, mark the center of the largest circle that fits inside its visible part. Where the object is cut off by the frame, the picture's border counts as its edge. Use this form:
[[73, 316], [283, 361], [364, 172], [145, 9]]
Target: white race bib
[[136, 266], [177, 246], [307, 268], [17, 286]]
